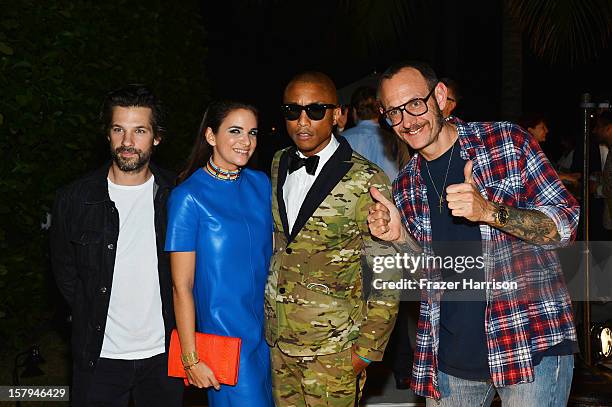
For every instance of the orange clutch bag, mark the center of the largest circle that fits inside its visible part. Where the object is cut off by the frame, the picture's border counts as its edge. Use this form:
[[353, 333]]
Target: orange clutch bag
[[220, 353]]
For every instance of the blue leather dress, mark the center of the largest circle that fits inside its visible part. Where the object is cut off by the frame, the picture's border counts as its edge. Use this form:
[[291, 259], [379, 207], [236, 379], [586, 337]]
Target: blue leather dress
[[229, 226]]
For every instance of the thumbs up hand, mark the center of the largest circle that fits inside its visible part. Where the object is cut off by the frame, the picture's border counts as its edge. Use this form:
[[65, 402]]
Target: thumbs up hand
[[464, 200], [384, 219], [467, 172]]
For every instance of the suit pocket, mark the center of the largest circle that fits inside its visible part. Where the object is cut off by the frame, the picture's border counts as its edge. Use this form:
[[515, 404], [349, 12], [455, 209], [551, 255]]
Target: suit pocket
[[315, 317]]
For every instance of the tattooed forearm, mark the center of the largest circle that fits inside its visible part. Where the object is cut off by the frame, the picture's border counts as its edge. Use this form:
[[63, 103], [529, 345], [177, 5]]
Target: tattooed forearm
[[531, 226]]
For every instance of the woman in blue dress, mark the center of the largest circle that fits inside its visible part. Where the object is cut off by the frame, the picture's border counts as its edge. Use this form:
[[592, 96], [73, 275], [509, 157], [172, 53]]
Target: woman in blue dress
[[220, 238]]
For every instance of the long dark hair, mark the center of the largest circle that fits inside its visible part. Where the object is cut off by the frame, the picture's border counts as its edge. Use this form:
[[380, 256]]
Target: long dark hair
[[214, 115]]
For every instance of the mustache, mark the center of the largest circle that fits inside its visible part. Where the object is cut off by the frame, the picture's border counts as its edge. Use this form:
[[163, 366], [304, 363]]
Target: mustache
[[131, 150], [413, 128], [304, 130]]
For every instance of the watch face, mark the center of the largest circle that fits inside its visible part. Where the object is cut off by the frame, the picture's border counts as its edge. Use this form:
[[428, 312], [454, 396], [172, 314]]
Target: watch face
[[502, 215]]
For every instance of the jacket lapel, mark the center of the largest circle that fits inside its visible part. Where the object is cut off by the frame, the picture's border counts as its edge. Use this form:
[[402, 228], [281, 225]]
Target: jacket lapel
[[282, 175], [336, 167]]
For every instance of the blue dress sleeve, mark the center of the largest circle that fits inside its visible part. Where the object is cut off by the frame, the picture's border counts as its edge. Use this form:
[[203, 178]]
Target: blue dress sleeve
[[182, 232]]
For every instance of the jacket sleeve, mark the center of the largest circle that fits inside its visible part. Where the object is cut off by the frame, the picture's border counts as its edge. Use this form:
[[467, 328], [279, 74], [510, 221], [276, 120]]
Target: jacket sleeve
[[381, 306], [62, 251]]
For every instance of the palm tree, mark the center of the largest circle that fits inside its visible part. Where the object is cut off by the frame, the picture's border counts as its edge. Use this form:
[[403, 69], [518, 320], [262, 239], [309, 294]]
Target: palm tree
[[565, 31], [557, 31]]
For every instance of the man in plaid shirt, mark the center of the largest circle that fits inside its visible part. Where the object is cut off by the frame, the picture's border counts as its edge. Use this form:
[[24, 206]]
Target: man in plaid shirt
[[490, 183]]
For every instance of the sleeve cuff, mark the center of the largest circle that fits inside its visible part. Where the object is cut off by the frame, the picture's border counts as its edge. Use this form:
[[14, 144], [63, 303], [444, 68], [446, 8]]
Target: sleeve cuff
[[564, 230], [368, 355]]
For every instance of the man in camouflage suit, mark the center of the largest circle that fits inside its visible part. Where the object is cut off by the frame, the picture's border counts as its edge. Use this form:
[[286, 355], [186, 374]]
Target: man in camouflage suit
[[322, 328]]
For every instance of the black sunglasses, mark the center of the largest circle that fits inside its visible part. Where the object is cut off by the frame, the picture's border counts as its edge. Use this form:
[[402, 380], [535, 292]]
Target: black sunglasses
[[314, 111]]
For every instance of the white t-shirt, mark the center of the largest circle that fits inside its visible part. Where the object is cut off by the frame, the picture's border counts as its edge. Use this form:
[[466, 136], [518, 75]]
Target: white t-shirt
[[134, 325], [298, 183]]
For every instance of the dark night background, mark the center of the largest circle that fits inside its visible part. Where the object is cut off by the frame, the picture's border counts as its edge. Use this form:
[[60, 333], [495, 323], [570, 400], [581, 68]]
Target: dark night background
[[58, 60], [254, 51]]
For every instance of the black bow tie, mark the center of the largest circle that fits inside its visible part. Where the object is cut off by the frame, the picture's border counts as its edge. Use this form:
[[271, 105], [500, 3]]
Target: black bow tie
[[296, 162]]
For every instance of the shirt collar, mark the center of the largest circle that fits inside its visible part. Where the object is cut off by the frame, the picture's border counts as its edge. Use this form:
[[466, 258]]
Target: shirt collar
[[326, 153], [469, 137]]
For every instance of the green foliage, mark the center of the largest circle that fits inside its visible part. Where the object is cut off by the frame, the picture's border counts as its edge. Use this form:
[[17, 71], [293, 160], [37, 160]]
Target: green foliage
[[57, 61]]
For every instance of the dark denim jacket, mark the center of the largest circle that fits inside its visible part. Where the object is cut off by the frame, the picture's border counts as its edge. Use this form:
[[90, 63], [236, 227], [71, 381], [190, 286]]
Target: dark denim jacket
[[83, 239]]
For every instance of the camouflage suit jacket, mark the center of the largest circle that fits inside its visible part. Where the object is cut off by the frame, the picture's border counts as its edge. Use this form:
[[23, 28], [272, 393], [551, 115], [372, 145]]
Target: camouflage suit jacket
[[314, 299]]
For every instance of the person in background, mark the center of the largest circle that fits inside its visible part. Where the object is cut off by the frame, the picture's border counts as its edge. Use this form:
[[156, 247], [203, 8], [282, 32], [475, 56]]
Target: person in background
[[367, 137], [344, 119], [220, 239], [564, 163], [107, 253], [536, 124], [452, 98], [603, 130]]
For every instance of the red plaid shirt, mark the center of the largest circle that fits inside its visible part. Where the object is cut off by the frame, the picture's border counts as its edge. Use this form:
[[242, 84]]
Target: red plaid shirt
[[509, 168]]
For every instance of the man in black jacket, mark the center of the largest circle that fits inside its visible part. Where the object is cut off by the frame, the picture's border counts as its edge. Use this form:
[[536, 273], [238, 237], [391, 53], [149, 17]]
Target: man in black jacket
[[107, 240]]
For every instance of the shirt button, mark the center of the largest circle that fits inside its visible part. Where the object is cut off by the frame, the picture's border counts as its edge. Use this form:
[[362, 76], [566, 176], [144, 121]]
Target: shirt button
[[102, 290], [281, 290], [98, 328], [91, 363], [111, 246], [289, 250], [112, 209]]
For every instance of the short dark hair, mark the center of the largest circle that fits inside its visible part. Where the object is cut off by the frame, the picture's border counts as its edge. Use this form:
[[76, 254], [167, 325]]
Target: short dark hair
[[531, 120], [454, 86], [133, 95], [314, 77], [363, 100], [424, 69]]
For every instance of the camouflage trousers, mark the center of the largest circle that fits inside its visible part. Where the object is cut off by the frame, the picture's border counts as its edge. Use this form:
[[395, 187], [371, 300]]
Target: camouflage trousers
[[313, 381]]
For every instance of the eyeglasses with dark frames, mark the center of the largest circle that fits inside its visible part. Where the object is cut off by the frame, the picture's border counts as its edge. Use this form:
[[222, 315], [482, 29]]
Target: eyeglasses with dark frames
[[314, 111], [414, 107]]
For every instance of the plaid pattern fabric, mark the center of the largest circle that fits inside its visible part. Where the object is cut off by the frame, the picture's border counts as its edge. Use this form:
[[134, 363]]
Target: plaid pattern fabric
[[509, 168]]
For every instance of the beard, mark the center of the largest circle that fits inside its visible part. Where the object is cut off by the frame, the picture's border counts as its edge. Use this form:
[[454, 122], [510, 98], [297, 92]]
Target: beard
[[133, 164]]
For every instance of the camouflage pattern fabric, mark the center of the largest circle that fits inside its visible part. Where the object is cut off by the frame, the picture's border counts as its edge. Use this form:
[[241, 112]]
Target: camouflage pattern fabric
[[314, 297], [313, 381]]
